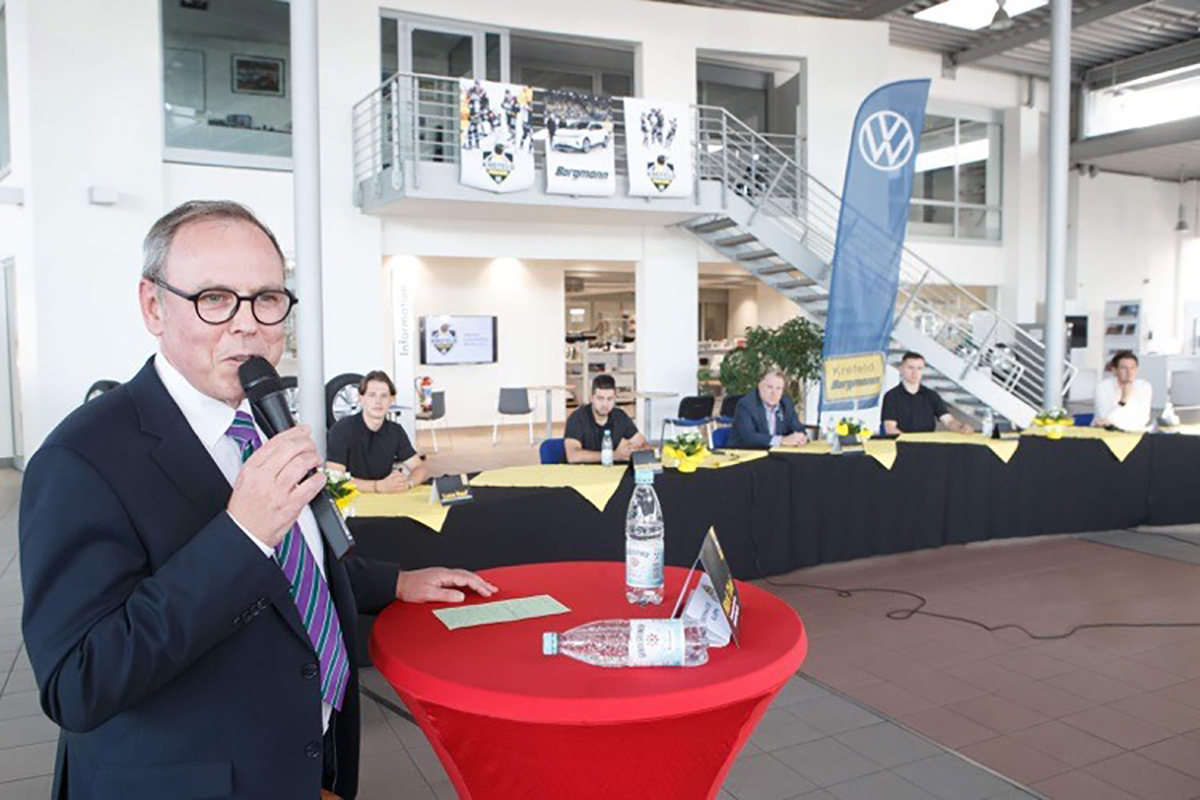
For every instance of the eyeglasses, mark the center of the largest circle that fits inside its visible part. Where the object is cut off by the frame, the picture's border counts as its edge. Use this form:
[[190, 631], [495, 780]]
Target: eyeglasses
[[218, 305]]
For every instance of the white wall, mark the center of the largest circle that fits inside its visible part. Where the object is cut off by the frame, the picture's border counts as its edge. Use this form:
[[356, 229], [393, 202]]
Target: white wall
[[528, 298], [1126, 249]]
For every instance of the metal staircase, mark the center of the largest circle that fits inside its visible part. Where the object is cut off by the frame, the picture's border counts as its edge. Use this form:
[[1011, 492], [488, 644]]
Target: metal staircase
[[779, 224]]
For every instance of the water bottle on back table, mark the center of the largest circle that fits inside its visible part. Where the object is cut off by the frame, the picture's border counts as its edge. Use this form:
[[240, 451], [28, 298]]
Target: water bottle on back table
[[644, 543], [632, 643], [606, 449]]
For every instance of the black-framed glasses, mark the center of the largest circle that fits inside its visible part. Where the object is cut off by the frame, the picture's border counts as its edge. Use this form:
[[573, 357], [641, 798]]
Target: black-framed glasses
[[218, 305]]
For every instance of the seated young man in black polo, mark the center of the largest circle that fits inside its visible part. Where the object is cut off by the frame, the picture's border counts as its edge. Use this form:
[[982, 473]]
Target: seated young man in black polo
[[372, 448], [910, 407], [584, 436]]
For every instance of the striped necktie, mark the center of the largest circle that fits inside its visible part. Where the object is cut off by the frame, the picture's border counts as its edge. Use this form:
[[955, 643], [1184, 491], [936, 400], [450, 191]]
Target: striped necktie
[[308, 589]]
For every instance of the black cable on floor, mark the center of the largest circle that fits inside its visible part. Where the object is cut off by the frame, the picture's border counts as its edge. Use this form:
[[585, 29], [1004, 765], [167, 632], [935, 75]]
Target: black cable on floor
[[908, 613], [388, 704]]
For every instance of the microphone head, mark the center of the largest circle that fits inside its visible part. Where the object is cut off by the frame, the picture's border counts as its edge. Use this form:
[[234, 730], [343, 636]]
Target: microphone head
[[259, 378]]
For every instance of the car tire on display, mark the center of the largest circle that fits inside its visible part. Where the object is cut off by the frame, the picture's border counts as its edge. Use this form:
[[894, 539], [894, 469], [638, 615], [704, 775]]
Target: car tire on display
[[98, 388], [587, 145], [341, 397]]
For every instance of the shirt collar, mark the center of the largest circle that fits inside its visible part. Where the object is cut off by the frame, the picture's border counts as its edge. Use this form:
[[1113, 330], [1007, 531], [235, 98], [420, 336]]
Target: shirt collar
[[209, 417]]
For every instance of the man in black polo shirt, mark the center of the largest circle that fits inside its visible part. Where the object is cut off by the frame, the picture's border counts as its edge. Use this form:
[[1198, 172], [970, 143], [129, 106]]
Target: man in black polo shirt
[[584, 436], [913, 408], [369, 446]]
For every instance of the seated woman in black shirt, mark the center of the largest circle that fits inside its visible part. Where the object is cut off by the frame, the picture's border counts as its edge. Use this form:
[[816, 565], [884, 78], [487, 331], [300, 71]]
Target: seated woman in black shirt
[[370, 446]]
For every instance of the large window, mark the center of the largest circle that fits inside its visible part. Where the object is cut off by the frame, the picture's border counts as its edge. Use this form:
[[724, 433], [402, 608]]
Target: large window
[[956, 189], [227, 82], [5, 144]]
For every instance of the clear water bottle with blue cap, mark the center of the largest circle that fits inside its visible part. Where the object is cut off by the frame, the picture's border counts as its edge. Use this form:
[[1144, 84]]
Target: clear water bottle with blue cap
[[632, 643], [644, 543], [606, 449]]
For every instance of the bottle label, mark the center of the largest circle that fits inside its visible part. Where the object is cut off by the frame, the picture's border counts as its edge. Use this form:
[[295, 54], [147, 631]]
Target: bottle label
[[656, 643], [644, 563]]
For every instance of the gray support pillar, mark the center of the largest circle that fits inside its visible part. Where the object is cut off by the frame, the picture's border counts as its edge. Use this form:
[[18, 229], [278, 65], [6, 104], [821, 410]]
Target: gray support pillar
[[1056, 227], [306, 176]]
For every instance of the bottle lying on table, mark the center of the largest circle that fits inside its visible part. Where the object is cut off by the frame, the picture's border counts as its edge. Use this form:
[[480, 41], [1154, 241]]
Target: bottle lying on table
[[631, 643]]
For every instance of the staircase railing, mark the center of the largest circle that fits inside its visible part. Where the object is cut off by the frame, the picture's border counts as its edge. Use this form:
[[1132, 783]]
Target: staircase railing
[[776, 185]]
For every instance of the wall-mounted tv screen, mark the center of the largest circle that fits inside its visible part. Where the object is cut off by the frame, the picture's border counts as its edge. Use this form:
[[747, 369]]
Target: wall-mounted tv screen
[[457, 339]]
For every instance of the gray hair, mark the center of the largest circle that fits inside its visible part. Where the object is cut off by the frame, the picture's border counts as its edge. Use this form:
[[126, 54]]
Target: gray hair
[[157, 245]]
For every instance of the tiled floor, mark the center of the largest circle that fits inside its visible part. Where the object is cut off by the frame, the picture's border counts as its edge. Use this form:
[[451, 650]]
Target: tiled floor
[[881, 703]]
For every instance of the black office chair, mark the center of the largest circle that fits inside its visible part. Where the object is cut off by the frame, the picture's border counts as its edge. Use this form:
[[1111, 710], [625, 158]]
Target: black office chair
[[694, 412], [728, 409]]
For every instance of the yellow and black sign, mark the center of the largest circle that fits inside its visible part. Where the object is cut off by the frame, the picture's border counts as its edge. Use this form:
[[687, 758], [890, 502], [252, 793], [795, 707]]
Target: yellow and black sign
[[853, 377], [451, 490]]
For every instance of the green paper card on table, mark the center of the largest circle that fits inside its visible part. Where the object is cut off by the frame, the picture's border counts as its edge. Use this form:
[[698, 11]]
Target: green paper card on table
[[542, 605]]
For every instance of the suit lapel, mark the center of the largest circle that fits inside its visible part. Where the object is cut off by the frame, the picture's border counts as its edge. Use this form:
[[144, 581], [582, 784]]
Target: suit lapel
[[184, 459]]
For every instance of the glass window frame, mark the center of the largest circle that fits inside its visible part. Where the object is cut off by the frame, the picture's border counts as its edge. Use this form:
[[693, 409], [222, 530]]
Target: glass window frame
[[211, 158], [964, 114], [6, 120], [405, 23]]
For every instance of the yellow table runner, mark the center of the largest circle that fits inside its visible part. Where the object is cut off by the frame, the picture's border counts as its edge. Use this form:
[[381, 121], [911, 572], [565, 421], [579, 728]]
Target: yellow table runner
[[882, 450], [1186, 430], [413, 504], [596, 483], [1120, 443], [1003, 448], [731, 458]]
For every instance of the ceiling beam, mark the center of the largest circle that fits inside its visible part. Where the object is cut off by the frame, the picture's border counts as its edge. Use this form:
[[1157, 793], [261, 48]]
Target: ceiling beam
[[1111, 144], [1012, 41], [878, 8], [1184, 54]]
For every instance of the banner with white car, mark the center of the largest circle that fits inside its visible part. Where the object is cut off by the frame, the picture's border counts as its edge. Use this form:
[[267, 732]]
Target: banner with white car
[[496, 148], [658, 142], [580, 145]]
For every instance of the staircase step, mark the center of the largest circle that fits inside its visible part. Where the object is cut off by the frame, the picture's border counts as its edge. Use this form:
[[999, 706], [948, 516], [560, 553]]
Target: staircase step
[[775, 269], [755, 255], [712, 226], [784, 286], [736, 241]]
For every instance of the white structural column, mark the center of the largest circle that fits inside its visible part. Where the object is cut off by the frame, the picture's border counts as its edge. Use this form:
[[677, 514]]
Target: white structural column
[[306, 172], [1056, 228], [667, 292]]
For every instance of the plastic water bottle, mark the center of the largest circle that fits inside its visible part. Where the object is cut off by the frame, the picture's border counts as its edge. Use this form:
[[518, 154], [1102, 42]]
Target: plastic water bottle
[[606, 449], [989, 422], [632, 643], [644, 543]]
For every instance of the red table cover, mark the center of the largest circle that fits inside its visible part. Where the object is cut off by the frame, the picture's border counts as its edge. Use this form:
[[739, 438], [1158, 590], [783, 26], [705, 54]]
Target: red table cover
[[509, 722]]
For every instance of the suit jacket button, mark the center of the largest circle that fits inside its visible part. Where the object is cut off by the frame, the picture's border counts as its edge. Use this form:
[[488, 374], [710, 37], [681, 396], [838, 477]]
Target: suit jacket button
[[237, 622], [262, 603], [247, 616], [309, 670], [312, 750]]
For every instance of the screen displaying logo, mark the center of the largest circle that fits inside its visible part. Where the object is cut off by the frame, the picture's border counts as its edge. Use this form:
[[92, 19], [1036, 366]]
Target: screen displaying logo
[[444, 338], [886, 141]]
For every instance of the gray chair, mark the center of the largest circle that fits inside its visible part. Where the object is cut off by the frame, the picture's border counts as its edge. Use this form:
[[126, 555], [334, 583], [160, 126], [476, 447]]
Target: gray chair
[[435, 414], [513, 403]]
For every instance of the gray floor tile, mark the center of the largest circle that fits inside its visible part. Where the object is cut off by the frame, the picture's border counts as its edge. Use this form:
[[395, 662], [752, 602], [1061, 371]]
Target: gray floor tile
[[19, 681], [819, 794], [429, 764], [888, 745], [23, 704], [27, 730], [764, 778], [832, 714], [28, 789], [30, 761], [951, 778], [826, 761], [880, 786], [444, 790], [377, 738], [421, 792], [779, 729], [382, 778], [797, 690]]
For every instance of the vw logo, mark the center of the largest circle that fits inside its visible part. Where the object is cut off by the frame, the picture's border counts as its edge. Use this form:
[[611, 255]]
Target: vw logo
[[885, 141]]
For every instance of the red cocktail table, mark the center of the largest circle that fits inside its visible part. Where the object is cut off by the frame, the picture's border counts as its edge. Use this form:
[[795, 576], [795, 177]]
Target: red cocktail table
[[508, 722]]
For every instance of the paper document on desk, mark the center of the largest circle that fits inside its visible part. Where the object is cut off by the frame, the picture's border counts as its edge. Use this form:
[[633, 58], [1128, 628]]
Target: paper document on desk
[[542, 605], [703, 608]]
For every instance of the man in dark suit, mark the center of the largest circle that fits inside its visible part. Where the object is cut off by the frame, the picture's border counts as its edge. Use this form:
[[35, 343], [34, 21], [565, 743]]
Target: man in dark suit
[[189, 631], [767, 418]]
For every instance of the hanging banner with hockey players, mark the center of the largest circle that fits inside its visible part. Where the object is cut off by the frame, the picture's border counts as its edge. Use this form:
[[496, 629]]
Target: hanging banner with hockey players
[[496, 150], [579, 144], [659, 143]]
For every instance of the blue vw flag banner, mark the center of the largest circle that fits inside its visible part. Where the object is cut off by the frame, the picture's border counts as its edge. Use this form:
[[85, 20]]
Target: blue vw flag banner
[[870, 235]]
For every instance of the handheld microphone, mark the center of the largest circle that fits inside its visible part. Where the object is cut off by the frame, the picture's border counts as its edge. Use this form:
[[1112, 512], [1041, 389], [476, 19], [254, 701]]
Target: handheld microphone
[[267, 398]]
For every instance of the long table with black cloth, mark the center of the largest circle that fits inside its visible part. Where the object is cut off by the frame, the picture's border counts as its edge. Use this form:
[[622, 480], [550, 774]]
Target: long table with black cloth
[[787, 511]]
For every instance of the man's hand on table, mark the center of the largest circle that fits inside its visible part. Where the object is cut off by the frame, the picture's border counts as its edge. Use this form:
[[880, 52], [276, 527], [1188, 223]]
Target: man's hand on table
[[437, 585], [797, 439]]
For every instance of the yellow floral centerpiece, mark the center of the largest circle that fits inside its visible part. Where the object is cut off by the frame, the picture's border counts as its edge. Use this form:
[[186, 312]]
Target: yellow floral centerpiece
[[849, 426], [1053, 421], [341, 486], [685, 451]]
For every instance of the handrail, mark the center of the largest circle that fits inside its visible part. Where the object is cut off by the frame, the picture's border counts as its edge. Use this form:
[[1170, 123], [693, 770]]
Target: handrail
[[412, 118]]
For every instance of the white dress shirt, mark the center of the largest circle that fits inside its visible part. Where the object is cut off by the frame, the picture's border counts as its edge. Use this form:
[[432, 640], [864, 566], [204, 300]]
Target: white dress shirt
[[772, 413], [1135, 414], [210, 420]]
